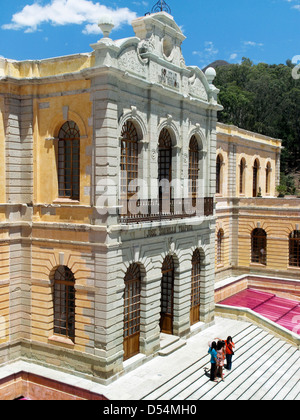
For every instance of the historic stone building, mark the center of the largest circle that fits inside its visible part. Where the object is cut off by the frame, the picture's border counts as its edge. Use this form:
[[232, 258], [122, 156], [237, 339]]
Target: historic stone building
[[111, 239], [107, 220], [257, 232]]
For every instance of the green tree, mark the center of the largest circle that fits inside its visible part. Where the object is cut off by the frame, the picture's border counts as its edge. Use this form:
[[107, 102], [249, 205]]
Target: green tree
[[266, 99]]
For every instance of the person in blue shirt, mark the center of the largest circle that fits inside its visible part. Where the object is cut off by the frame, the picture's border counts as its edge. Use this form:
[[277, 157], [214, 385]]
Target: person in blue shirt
[[213, 360]]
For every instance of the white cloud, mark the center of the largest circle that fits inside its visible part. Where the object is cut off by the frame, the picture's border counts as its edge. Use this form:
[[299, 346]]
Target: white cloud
[[253, 44], [233, 56], [67, 12]]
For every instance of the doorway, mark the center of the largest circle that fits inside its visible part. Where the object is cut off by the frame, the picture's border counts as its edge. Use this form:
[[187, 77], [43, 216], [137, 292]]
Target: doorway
[[167, 296]]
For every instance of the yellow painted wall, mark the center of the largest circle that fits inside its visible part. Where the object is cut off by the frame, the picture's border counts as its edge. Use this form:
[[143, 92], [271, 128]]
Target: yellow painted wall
[[46, 68], [2, 153], [45, 259], [277, 216], [250, 146], [47, 123]]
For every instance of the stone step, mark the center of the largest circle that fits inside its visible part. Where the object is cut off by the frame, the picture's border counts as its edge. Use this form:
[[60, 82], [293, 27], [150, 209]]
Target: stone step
[[187, 380], [262, 369], [169, 344]]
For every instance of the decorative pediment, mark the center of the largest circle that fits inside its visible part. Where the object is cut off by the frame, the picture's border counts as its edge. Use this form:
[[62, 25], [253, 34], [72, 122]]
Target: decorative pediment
[[198, 85], [129, 60]]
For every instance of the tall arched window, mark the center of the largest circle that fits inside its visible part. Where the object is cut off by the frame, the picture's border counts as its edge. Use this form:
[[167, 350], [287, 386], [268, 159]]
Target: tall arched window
[[268, 178], [220, 237], [129, 159], [219, 174], [242, 176], [255, 177], [193, 168], [294, 249], [64, 302], [167, 296], [132, 302], [165, 169], [69, 161], [195, 288], [259, 246]]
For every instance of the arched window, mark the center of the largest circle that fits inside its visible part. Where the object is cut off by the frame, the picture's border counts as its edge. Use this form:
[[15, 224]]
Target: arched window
[[167, 296], [165, 169], [294, 249], [255, 177], [64, 302], [220, 237], [219, 174], [193, 168], [195, 288], [259, 246], [268, 178], [132, 317], [129, 159], [242, 176], [69, 161]]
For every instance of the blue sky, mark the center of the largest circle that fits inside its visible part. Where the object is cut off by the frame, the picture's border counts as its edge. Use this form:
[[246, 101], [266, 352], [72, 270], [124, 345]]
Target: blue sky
[[263, 30]]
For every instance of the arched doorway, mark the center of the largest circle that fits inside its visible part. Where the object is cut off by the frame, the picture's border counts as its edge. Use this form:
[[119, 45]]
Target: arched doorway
[[165, 170], [132, 302], [195, 288], [167, 296]]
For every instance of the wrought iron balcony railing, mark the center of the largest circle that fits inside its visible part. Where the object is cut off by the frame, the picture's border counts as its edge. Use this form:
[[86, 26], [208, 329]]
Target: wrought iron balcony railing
[[149, 210]]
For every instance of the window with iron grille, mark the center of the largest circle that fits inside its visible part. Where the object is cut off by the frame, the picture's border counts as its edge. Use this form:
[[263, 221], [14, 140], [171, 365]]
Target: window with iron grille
[[193, 168], [219, 174], [165, 169], [268, 178], [129, 160], [259, 246], [64, 302], [220, 237], [69, 161], [242, 176], [255, 178], [294, 249]]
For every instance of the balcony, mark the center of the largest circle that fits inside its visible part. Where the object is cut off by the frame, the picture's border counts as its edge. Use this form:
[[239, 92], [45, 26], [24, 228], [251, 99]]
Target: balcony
[[150, 210]]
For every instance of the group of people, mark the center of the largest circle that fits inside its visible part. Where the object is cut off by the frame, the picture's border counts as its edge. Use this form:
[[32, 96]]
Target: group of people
[[220, 350]]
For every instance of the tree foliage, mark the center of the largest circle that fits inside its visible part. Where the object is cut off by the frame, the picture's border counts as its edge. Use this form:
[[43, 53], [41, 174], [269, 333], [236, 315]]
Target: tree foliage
[[265, 99]]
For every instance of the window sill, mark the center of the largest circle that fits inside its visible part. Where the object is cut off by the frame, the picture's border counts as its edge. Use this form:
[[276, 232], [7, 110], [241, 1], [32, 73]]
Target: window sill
[[290, 267], [257, 265], [65, 201], [57, 339]]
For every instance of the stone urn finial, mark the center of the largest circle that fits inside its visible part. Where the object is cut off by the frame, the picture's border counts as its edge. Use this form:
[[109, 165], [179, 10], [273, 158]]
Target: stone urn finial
[[106, 25], [210, 74]]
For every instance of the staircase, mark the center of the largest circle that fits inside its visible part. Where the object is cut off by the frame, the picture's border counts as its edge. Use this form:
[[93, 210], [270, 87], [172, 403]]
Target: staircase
[[264, 368]]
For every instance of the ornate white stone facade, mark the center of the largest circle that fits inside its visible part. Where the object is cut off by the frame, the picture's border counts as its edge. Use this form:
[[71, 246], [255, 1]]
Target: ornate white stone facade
[[143, 80]]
